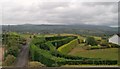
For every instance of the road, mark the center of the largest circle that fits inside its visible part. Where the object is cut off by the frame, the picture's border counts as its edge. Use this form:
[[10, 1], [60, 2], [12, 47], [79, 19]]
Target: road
[[22, 59]]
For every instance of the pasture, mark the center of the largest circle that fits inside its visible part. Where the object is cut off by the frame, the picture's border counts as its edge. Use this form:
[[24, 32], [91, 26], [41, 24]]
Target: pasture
[[108, 53]]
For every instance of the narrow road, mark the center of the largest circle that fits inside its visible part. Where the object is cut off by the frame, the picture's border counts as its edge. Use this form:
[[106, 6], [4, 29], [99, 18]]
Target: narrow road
[[22, 59]]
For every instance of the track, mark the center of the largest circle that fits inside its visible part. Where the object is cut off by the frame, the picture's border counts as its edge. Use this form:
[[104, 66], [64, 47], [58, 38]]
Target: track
[[22, 59]]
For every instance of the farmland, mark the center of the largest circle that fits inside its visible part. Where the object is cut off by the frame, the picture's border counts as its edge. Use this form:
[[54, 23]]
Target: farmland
[[110, 53]]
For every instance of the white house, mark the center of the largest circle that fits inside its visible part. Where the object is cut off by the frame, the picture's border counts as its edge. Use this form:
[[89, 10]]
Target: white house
[[115, 39]]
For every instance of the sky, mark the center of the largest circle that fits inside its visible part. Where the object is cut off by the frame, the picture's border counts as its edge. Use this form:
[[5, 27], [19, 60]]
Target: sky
[[59, 12]]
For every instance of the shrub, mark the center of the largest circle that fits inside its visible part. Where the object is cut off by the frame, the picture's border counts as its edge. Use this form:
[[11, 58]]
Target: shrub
[[104, 44], [9, 60], [95, 47], [36, 64], [114, 45], [13, 50], [91, 41]]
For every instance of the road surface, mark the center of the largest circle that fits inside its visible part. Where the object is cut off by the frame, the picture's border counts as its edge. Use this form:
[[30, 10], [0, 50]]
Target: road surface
[[22, 59]]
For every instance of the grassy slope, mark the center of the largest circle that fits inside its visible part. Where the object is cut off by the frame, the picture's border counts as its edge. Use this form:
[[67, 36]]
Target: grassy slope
[[110, 53]]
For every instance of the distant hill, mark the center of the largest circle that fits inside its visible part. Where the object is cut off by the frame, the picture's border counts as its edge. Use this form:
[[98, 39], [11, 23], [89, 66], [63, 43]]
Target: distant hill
[[78, 29]]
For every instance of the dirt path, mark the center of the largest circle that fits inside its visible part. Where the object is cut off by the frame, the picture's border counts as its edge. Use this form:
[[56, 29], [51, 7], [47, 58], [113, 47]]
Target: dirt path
[[22, 59]]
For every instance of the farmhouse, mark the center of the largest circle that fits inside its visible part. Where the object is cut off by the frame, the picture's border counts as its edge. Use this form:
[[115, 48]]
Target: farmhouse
[[115, 39]]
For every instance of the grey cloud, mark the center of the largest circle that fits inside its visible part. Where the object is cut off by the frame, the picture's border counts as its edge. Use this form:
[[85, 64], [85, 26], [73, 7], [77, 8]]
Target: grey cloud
[[62, 12], [100, 3]]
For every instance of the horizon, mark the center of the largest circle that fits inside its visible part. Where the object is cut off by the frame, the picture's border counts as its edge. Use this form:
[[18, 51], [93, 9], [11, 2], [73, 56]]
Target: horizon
[[58, 25]]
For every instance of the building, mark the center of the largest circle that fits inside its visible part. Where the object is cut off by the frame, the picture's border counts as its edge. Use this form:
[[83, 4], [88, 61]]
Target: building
[[115, 39]]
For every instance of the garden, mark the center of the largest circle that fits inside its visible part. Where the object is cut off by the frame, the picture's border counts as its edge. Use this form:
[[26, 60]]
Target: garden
[[54, 51]]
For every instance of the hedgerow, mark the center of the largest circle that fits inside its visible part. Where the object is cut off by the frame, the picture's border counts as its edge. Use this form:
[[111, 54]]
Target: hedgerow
[[43, 56], [58, 43], [67, 47], [55, 38]]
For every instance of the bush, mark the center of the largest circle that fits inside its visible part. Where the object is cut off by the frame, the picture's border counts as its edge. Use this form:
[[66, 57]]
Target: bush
[[36, 64], [91, 41], [95, 47], [9, 60], [13, 50], [104, 44], [114, 45]]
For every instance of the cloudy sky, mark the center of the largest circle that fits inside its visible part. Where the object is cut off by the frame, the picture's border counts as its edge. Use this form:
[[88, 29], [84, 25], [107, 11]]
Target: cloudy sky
[[55, 12]]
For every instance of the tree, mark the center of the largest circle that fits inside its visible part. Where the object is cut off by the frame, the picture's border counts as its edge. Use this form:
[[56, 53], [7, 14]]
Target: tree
[[91, 41]]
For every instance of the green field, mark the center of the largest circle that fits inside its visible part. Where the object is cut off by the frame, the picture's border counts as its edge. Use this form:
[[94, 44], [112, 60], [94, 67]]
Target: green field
[[109, 53]]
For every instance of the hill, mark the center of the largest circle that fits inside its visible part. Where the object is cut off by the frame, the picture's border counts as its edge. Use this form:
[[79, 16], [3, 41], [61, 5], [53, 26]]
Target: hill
[[74, 29]]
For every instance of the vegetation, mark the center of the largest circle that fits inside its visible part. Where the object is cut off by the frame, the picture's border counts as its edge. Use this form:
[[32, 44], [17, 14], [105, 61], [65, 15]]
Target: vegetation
[[68, 47], [10, 59], [60, 29], [12, 43], [58, 45], [45, 51], [35, 64], [108, 53], [13, 50], [91, 41]]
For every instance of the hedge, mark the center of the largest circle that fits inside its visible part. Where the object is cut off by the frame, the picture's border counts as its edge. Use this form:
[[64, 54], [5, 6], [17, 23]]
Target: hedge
[[43, 56], [46, 46], [58, 54], [58, 43], [55, 38], [50, 45], [38, 40], [67, 47], [95, 62]]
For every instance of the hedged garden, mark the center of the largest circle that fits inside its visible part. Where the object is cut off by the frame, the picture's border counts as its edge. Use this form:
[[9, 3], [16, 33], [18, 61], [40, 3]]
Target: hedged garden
[[52, 51]]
